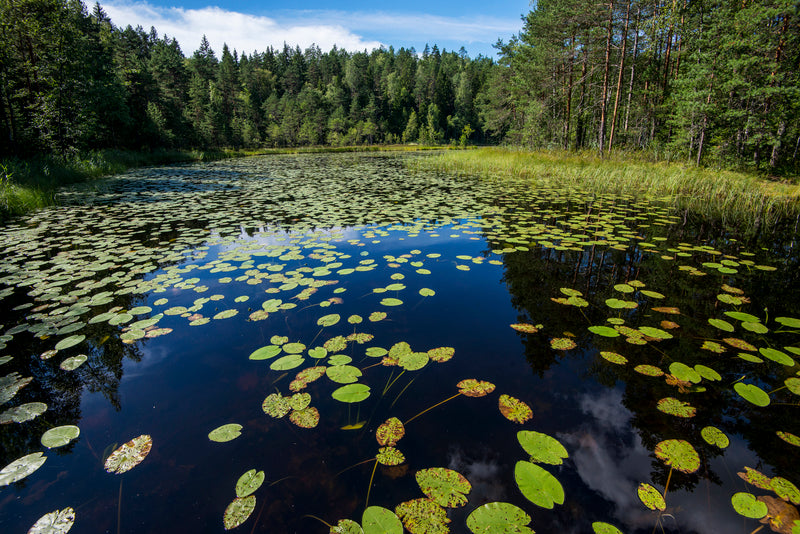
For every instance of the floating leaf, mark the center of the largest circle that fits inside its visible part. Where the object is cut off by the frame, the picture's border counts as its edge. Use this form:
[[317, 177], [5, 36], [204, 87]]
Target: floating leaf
[[499, 518], [562, 343], [249, 482], [70, 341], [445, 487], [276, 405], [293, 348], [746, 504], [351, 393], [378, 520], [538, 485], [425, 292], [613, 357], [279, 340], [238, 511], [391, 302], [600, 527], [389, 456], [756, 478], [785, 490], [714, 436], [441, 354], [618, 304], [299, 401], [744, 317], [413, 361], [678, 408], [648, 370], [60, 436], [471, 387], [355, 319], [655, 333], [525, 328], [739, 344], [776, 356], [514, 409], [667, 309], [346, 526], [423, 516], [318, 352], [721, 324], [305, 418], [605, 331], [286, 363], [129, 455], [651, 497], [651, 294], [756, 328], [73, 362], [329, 320], [23, 412], [225, 433], [793, 384], [377, 316], [541, 447], [781, 516], [707, 372], [335, 344], [681, 371], [306, 376], [679, 454], [790, 322], [752, 393], [343, 374], [789, 438], [56, 522], [390, 432], [21, 467], [265, 353], [226, 314]]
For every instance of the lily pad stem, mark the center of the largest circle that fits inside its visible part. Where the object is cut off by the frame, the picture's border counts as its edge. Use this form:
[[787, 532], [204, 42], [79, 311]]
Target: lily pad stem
[[369, 488], [666, 486], [401, 392], [320, 520], [119, 508], [432, 407], [393, 381]]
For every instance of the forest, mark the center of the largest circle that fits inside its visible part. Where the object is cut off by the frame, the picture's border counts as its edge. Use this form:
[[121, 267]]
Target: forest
[[714, 82]]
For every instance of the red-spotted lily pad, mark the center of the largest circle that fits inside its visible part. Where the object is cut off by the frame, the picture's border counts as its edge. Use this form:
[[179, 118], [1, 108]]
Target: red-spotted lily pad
[[445, 487], [276, 405], [752, 393], [739, 344], [335, 344], [56, 522], [514, 409], [377, 316], [714, 436], [651, 497], [129, 455], [613, 357], [499, 518], [238, 511], [390, 432], [756, 478], [789, 438], [713, 346], [562, 343], [678, 408], [441, 354], [785, 490], [346, 526], [305, 418], [423, 516], [249, 482], [306, 376], [541, 447], [379, 520], [678, 454], [538, 485], [746, 504], [525, 328], [648, 370], [390, 456], [666, 309], [471, 387]]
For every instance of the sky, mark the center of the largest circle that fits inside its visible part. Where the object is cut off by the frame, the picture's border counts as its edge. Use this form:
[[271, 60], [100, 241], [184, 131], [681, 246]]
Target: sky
[[250, 25]]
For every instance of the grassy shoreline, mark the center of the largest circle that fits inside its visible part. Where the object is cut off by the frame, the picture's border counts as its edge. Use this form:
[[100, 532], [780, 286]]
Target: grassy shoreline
[[733, 198]]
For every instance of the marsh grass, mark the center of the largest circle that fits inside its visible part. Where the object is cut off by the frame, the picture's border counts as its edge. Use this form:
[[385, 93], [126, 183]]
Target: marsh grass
[[735, 199]]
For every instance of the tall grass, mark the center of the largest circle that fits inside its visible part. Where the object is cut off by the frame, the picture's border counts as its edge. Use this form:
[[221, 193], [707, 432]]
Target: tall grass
[[733, 198]]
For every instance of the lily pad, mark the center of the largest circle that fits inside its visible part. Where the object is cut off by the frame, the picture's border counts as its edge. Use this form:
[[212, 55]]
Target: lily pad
[[605, 331], [514, 409], [789, 438], [390, 432], [390, 456], [265, 353], [682, 371], [60, 436], [276, 405], [70, 341], [335, 344], [790, 322], [305, 418], [613, 357], [756, 478], [471, 387], [785, 490], [746, 504], [21, 468], [55, 522], [293, 348], [391, 302], [318, 352], [377, 316], [346, 526], [600, 527], [425, 292], [678, 454], [714, 436], [744, 317], [721, 324], [329, 320], [249, 482], [648, 370], [541, 447], [379, 520], [707, 373], [678, 408], [225, 433], [651, 497], [288, 362], [306, 376], [238, 511], [562, 343], [752, 393], [525, 328], [343, 374], [299, 401], [441, 354], [499, 518], [423, 516], [23, 412], [538, 485], [445, 487], [73, 362], [655, 333], [129, 455], [351, 393], [776, 356], [413, 361]]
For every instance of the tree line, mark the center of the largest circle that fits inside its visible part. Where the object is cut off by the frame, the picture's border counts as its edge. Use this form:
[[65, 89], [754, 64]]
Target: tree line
[[714, 81]]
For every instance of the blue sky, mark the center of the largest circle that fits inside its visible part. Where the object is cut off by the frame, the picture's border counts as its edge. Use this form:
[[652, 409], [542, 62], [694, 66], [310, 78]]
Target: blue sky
[[354, 25]]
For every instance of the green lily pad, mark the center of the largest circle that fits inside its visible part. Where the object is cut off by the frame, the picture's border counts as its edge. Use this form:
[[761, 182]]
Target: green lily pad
[[714, 436], [538, 485], [655, 333], [328, 320], [562, 343], [618, 304], [605, 331], [790, 322], [525, 328], [346, 526], [678, 454], [746, 504], [744, 317], [335, 344], [343, 374], [276, 405], [351, 393], [756, 328], [318, 352], [707, 372], [776, 356], [651, 294], [413, 361], [376, 352], [55, 522], [793, 384], [445, 487], [355, 319], [73, 362], [541, 447], [471, 387], [265, 353], [678, 408], [279, 340], [423, 516], [752, 393], [785, 490], [756, 478], [499, 518], [21, 468], [721, 324], [377, 316], [129, 455], [23, 412], [225, 433], [390, 432], [293, 348], [441, 354], [651, 497], [238, 511], [305, 418], [681, 371], [624, 288], [286, 363], [600, 527], [70, 341], [514, 409], [249, 482], [391, 302], [648, 370], [425, 292], [379, 520], [613, 357], [60, 436], [789, 438], [390, 456], [226, 314]]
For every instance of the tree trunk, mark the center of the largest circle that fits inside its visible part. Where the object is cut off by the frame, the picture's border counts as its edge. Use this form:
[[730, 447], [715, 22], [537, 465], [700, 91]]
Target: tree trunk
[[633, 66], [569, 93], [619, 76], [773, 159], [606, 66], [579, 127]]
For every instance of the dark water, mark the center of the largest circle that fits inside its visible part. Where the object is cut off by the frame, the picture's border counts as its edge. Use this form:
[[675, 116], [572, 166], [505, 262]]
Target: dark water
[[495, 254]]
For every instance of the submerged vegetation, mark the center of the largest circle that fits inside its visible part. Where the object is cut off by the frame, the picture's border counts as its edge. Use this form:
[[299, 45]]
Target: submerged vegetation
[[736, 199]]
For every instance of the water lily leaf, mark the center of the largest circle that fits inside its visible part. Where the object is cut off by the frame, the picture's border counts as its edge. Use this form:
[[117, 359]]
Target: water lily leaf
[[756, 478], [279, 340], [343, 374], [707, 372], [679, 454], [613, 357], [379, 520], [21, 467], [777, 356], [391, 302], [678, 408], [286, 363], [752, 393], [351, 393], [756, 328], [306, 376], [648, 370], [56, 522], [542, 448], [299, 401], [781, 516], [70, 341], [225, 433], [73, 362], [651, 497], [226, 314], [562, 343], [618, 304], [739, 344], [514, 409], [746, 504], [651, 294], [305, 418], [355, 319], [329, 320], [23, 412], [423, 516], [605, 331], [276, 405], [471, 387], [790, 322], [525, 328], [499, 518], [377, 316], [789, 438], [425, 292], [390, 432], [669, 310], [265, 353], [238, 511], [376, 352], [335, 344], [600, 527], [785, 490], [293, 348], [249, 482], [129, 455], [346, 526], [681, 371], [793, 384], [721, 324], [445, 487], [413, 361], [390, 456], [744, 317], [714, 436], [538, 485], [441, 354], [318, 352], [360, 337], [713, 346], [655, 333], [60, 436]]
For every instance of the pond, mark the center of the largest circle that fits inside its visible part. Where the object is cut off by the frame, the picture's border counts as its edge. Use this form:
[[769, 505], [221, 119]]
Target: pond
[[283, 343]]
